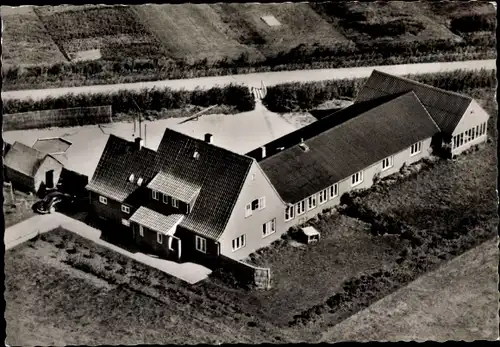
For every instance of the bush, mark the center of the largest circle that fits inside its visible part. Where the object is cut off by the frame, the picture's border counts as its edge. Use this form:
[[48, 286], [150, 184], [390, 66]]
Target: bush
[[148, 99], [474, 22]]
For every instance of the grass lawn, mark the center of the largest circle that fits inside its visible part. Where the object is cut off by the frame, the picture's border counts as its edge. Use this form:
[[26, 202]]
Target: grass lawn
[[303, 276], [455, 302], [25, 40], [18, 210]]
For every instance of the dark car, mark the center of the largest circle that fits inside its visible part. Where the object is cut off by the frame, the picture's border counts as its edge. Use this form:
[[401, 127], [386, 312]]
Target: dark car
[[50, 201]]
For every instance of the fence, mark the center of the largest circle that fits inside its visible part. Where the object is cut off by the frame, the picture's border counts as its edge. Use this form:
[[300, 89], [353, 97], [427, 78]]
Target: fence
[[260, 277], [65, 117]]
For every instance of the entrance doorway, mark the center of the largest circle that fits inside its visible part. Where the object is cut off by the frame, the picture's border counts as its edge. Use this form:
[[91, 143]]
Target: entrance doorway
[[49, 179]]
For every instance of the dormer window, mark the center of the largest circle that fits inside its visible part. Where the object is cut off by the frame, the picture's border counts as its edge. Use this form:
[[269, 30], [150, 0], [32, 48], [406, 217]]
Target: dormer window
[[131, 178], [196, 155], [139, 181]]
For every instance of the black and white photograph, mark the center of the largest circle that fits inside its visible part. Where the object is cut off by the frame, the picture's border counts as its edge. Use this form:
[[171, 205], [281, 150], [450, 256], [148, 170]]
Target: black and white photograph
[[221, 173]]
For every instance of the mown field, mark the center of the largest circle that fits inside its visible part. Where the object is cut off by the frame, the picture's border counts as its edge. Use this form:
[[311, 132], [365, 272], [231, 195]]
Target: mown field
[[149, 42]]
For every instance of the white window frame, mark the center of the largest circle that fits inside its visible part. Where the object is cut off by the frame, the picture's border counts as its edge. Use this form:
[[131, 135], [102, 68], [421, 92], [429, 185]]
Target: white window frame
[[125, 209], [357, 178], [165, 199], [323, 196], [202, 244], [262, 203], [389, 161], [312, 202], [334, 191], [299, 209], [248, 210], [103, 200], [159, 238], [141, 230], [238, 243], [125, 222], [175, 203], [155, 194], [416, 148], [290, 213], [269, 228]]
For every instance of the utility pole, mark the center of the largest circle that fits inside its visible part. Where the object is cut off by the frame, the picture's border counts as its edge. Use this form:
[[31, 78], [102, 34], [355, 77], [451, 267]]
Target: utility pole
[[140, 111], [145, 134]]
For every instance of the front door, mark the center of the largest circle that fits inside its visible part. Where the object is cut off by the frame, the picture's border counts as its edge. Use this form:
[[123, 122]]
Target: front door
[[49, 179]]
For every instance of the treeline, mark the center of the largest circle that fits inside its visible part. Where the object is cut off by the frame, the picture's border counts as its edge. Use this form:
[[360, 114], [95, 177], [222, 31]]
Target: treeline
[[474, 22], [298, 96], [343, 54], [125, 101]]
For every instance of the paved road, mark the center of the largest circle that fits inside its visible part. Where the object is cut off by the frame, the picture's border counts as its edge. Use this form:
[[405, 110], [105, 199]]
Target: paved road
[[254, 79], [27, 229]]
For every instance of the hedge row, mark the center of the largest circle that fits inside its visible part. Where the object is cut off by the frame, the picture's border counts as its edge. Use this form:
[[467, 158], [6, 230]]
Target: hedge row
[[298, 96], [343, 54], [125, 101]]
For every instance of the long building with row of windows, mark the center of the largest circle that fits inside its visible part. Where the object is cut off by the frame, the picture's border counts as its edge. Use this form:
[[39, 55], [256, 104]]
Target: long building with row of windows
[[194, 199]]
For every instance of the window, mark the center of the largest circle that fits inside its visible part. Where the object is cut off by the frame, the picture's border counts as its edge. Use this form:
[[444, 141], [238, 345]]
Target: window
[[159, 237], [289, 213], [141, 230], [165, 199], [311, 202], [139, 181], [125, 209], [131, 178], [416, 148], [248, 210], [201, 244], [269, 228], [262, 203], [125, 222], [455, 141], [175, 203], [301, 207], [253, 177], [323, 196], [387, 163], [334, 191], [156, 195], [461, 142], [238, 243], [357, 178], [103, 200], [477, 131], [473, 136]]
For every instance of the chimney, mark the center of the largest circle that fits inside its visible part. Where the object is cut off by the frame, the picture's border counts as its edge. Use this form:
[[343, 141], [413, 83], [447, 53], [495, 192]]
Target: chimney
[[208, 138], [263, 150], [139, 143]]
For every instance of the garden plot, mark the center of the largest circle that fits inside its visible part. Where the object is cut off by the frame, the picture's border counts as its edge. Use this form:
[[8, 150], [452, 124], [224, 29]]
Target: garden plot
[[25, 40], [113, 30]]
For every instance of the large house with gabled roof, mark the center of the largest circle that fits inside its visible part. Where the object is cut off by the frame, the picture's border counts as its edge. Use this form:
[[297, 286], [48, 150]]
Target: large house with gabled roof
[[192, 198]]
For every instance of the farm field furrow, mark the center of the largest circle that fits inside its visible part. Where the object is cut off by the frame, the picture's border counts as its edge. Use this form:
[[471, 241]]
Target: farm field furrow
[[25, 40]]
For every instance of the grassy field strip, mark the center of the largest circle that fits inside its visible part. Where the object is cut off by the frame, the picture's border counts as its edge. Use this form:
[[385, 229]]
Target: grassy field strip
[[458, 301], [255, 79]]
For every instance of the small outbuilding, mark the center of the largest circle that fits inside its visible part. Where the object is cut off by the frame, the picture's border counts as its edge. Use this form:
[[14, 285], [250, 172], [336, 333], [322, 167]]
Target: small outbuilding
[[31, 169], [309, 235]]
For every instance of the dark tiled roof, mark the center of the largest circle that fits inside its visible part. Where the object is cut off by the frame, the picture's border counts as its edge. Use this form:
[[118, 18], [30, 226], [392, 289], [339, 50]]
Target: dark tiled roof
[[446, 108], [118, 161], [365, 138], [23, 159], [156, 221], [179, 188], [326, 122], [219, 172]]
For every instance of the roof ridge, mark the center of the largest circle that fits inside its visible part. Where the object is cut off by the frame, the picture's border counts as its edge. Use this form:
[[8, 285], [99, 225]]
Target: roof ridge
[[354, 118], [425, 108], [423, 84]]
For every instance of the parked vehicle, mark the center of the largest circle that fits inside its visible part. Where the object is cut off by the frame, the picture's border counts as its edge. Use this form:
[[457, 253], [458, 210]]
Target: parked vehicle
[[50, 201]]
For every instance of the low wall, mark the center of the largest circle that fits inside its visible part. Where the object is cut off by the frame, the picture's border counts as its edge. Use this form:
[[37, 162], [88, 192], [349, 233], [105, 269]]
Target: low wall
[[260, 277], [57, 118]]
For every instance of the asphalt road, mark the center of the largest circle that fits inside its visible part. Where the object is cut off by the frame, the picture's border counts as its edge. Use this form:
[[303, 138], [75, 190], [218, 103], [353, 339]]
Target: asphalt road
[[254, 79]]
